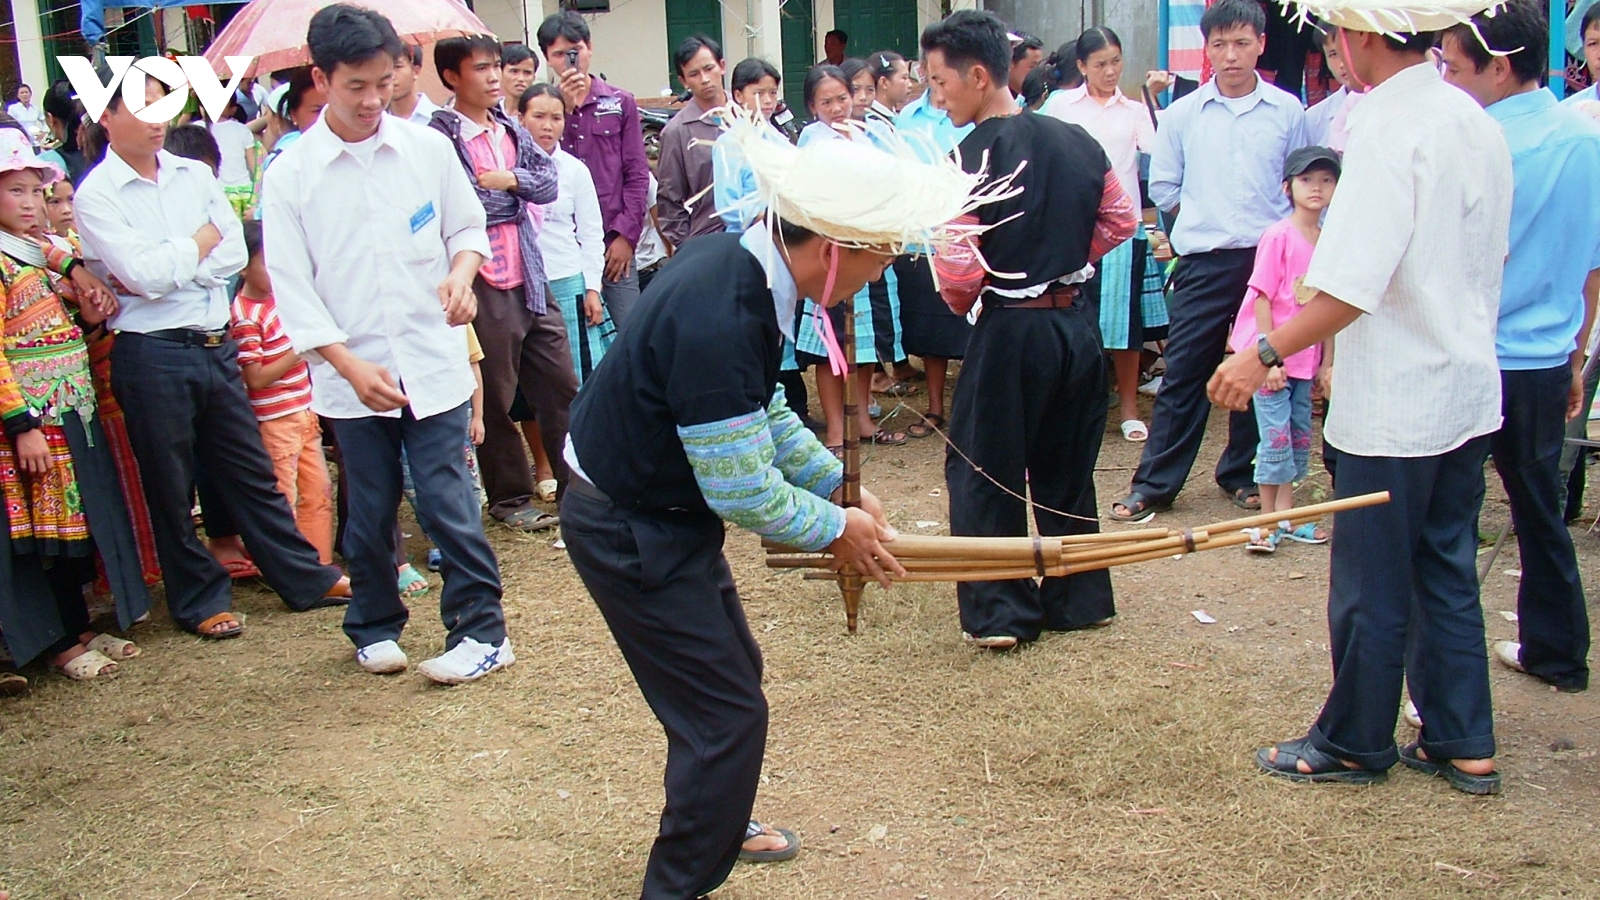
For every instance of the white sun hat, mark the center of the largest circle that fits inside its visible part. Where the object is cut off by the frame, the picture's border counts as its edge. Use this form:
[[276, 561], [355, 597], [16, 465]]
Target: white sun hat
[[877, 191], [1390, 17]]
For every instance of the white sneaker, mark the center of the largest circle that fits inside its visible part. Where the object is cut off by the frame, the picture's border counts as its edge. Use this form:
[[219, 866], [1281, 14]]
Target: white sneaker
[[382, 658], [468, 661], [1510, 655], [991, 642], [1412, 717], [1150, 387]]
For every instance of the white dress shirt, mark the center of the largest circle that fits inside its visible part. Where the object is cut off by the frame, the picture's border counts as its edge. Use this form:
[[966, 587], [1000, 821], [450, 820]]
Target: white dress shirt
[[1219, 161], [572, 240], [1122, 126], [30, 117], [1319, 118], [360, 237], [1416, 237], [141, 233], [234, 139], [424, 111]]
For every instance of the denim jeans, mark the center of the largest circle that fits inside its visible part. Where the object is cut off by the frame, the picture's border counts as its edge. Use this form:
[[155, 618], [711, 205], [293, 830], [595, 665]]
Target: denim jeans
[[1284, 418]]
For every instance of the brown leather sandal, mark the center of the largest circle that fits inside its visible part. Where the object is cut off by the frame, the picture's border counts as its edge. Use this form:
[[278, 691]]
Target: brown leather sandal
[[209, 630]]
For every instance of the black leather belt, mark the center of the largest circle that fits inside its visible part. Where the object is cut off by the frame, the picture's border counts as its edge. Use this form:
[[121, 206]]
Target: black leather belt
[[1055, 298], [191, 337]]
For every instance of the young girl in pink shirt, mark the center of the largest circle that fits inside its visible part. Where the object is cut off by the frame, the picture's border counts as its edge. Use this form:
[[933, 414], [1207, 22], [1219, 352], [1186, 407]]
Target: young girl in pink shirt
[[1275, 295]]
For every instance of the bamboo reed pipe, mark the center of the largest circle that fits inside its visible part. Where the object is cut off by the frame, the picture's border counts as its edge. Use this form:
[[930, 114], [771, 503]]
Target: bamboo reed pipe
[[1302, 514], [850, 582]]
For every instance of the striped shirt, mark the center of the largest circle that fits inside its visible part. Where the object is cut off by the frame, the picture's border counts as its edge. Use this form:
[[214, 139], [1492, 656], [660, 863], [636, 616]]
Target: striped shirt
[[261, 341], [494, 149]]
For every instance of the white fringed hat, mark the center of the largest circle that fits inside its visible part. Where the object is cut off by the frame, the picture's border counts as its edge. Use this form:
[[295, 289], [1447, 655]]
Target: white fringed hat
[[1390, 17], [879, 191]]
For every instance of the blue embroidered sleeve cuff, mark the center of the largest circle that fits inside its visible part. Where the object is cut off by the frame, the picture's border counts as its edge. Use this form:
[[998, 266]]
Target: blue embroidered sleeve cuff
[[733, 461], [803, 460]]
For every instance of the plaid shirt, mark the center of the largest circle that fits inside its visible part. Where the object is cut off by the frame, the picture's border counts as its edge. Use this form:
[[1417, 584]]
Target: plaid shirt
[[513, 234]]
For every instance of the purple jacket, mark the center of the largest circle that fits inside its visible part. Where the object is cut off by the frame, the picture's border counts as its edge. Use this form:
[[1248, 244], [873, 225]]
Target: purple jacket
[[605, 133]]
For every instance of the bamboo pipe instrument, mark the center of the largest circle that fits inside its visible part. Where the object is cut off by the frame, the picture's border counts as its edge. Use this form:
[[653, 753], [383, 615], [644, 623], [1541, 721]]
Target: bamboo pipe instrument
[[850, 582], [956, 566]]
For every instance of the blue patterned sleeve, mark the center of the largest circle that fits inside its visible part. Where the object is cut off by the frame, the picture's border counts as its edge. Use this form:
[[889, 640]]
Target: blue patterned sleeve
[[734, 464], [803, 460]]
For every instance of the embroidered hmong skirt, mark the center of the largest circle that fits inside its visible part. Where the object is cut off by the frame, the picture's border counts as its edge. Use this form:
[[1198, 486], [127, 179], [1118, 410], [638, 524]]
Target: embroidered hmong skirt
[[114, 423], [589, 343], [930, 327], [877, 324], [1133, 303]]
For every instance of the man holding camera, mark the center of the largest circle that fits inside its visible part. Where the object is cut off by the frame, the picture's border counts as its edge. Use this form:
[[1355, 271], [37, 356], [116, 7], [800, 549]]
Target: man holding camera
[[602, 130]]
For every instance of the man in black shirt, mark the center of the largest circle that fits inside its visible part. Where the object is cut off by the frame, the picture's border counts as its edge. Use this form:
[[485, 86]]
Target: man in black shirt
[[1030, 408]]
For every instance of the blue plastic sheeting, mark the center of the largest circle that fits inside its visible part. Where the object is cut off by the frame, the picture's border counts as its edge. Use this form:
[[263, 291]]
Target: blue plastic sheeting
[[92, 18]]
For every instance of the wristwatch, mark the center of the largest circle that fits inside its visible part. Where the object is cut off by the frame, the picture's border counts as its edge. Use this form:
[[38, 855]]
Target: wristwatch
[[1269, 356]]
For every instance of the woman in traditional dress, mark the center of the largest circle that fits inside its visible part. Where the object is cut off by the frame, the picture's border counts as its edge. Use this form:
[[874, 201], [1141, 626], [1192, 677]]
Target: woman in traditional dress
[[1133, 308], [62, 502], [877, 306]]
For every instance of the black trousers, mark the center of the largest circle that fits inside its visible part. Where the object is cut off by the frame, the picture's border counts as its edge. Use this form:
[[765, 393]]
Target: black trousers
[[1030, 411], [448, 511], [1552, 620], [666, 592], [1206, 292], [520, 350], [185, 404], [1403, 603]]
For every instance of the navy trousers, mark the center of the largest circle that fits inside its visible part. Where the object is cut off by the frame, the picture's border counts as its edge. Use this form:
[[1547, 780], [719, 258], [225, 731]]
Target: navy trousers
[[1206, 292], [666, 592], [1403, 603], [449, 513], [187, 404], [1552, 619], [1030, 412]]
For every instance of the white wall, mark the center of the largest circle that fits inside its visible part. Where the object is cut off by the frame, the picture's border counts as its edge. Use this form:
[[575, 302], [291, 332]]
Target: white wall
[[30, 46]]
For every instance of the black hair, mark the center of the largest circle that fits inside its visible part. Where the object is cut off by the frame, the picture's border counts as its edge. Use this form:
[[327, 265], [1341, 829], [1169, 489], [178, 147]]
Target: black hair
[[1327, 34], [790, 233], [1590, 18], [538, 89], [852, 67], [1061, 67], [565, 24], [1411, 43], [1518, 29], [1019, 50], [841, 34], [969, 37], [58, 102], [351, 35], [253, 238], [751, 71], [815, 78], [95, 142], [9, 121], [20, 88], [300, 84], [1226, 14], [692, 45], [193, 141], [882, 64], [411, 53], [1036, 86], [1094, 40], [452, 52], [514, 54]]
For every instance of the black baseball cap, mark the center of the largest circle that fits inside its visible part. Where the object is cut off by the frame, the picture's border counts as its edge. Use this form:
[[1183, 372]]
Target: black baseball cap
[[1299, 161]]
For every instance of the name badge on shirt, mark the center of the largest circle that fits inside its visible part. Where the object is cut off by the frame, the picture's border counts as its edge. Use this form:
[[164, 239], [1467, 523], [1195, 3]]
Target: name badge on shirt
[[422, 217]]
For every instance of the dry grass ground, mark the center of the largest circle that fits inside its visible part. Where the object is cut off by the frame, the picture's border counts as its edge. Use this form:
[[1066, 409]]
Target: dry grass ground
[[1094, 765]]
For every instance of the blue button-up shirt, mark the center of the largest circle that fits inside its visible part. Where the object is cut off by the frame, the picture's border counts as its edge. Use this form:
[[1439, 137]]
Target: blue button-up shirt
[[920, 116], [1219, 162], [1555, 228]]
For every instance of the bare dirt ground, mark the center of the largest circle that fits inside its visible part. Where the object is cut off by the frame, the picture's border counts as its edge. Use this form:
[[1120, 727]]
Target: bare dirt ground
[[1107, 764]]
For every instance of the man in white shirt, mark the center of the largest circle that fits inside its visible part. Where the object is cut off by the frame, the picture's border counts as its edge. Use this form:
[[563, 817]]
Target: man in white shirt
[[1408, 273], [159, 229], [409, 103], [1218, 165], [374, 237]]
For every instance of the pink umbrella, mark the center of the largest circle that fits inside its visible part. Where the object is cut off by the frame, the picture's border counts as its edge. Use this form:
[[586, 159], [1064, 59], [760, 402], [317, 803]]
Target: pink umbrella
[[274, 31]]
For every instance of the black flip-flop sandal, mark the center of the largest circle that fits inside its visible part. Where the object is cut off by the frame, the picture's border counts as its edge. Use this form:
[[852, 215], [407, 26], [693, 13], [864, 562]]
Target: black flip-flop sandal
[[1140, 509], [1241, 497], [1466, 782], [1324, 768], [885, 438], [791, 845], [930, 425]]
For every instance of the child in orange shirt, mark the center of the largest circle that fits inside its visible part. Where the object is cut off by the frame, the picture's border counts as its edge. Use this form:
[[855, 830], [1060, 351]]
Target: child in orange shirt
[[279, 385]]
